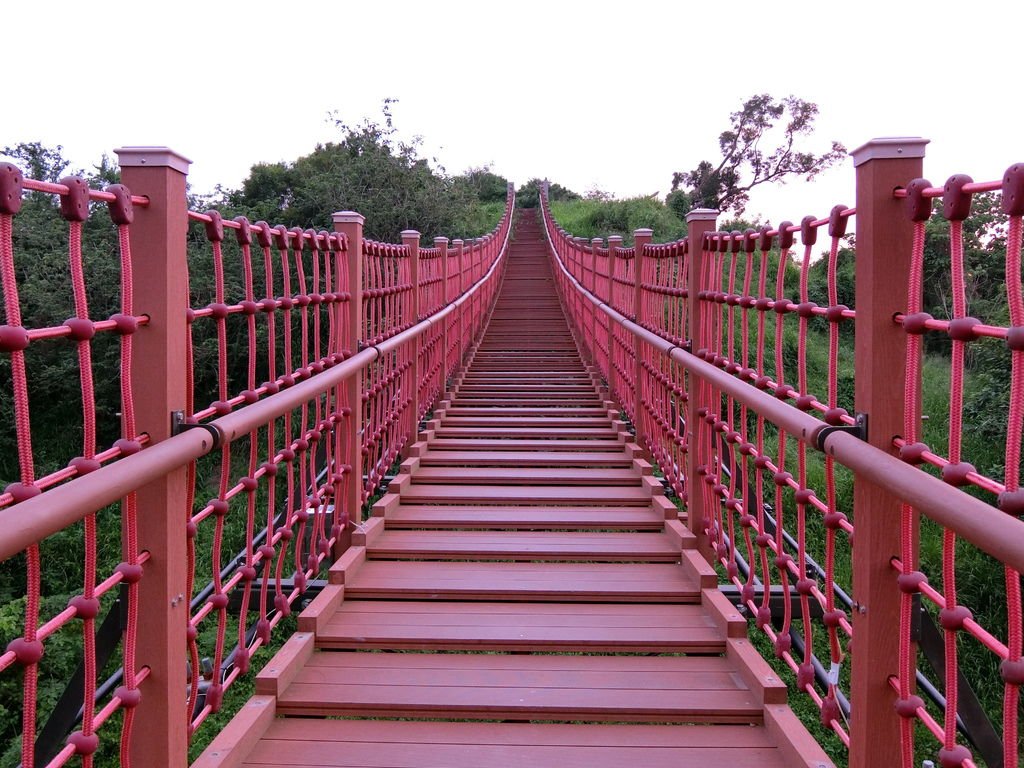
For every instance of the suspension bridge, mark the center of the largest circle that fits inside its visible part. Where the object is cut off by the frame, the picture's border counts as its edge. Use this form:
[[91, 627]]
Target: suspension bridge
[[519, 500]]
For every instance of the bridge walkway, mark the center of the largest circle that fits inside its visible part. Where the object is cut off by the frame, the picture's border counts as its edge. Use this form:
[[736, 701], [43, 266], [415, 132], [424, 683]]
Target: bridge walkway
[[523, 595]]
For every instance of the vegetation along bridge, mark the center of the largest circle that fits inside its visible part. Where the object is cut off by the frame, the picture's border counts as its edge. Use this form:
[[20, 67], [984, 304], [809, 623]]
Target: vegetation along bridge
[[518, 500]]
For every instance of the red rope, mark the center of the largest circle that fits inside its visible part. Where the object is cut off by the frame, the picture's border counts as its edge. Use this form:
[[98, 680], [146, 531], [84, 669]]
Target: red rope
[[1014, 431], [130, 507]]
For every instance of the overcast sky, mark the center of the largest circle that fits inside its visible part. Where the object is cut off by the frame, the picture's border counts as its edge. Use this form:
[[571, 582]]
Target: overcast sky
[[612, 95]]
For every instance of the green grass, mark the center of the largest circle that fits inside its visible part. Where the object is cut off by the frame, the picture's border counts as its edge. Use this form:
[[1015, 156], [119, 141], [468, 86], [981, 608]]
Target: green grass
[[600, 218]]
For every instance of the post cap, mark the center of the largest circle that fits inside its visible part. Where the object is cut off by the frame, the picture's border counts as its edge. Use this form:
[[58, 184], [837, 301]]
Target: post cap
[[457, 242], [701, 214], [889, 147], [614, 240], [410, 233], [643, 232], [348, 217], [595, 241], [440, 241], [152, 157]]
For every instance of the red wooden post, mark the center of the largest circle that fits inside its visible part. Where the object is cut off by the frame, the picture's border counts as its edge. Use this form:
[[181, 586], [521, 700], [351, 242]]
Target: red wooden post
[[641, 237], [592, 340], [614, 241], [699, 222], [441, 243], [411, 240], [884, 234], [461, 262], [350, 224], [161, 292]]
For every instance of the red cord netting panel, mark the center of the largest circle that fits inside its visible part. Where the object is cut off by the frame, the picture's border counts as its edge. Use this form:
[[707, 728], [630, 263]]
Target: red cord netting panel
[[663, 397], [769, 526], [45, 271], [963, 575], [387, 382], [278, 294]]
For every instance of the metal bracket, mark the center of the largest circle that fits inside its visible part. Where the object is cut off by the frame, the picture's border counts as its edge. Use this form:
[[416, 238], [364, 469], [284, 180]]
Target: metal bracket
[[859, 429], [178, 425]]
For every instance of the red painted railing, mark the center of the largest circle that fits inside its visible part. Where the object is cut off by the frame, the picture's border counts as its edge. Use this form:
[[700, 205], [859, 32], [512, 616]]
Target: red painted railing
[[708, 344], [268, 383]]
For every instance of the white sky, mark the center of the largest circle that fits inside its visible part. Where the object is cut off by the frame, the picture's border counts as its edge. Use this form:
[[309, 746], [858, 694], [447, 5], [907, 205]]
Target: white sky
[[615, 95]]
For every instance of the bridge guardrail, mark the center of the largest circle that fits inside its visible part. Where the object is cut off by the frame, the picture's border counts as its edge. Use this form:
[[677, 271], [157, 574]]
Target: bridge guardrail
[[352, 341], [686, 350]]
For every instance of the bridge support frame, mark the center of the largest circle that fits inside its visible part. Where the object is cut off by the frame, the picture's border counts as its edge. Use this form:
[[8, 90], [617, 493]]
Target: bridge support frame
[[884, 236], [159, 262], [699, 222], [350, 224], [641, 237]]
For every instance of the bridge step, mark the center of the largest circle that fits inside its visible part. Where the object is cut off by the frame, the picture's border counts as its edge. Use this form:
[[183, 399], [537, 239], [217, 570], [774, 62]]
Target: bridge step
[[457, 419], [517, 494], [535, 433], [367, 744], [585, 582], [524, 444], [535, 517], [525, 402], [529, 476], [533, 545], [535, 687], [438, 458], [533, 627]]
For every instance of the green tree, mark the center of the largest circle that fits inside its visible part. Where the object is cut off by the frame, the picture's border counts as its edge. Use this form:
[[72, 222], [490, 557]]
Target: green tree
[[528, 196], [745, 164], [373, 171]]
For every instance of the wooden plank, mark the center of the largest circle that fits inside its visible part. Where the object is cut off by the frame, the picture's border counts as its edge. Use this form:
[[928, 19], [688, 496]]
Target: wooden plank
[[796, 745], [522, 581], [345, 566], [388, 744], [450, 421], [385, 504], [729, 621], [316, 615], [698, 568], [669, 510], [681, 536], [534, 458], [550, 627], [526, 476], [367, 532], [241, 736], [593, 433], [759, 677], [514, 494], [583, 517], [524, 444], [535, 545], [570, 687], [286, 665]]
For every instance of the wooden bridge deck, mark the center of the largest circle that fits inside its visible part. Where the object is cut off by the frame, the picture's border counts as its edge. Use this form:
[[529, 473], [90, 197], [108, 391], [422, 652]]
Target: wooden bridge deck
[[524, 595]]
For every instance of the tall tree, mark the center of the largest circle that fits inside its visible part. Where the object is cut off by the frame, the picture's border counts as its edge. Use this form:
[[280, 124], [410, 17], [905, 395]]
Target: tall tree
[[373, 171], [745, 163]]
